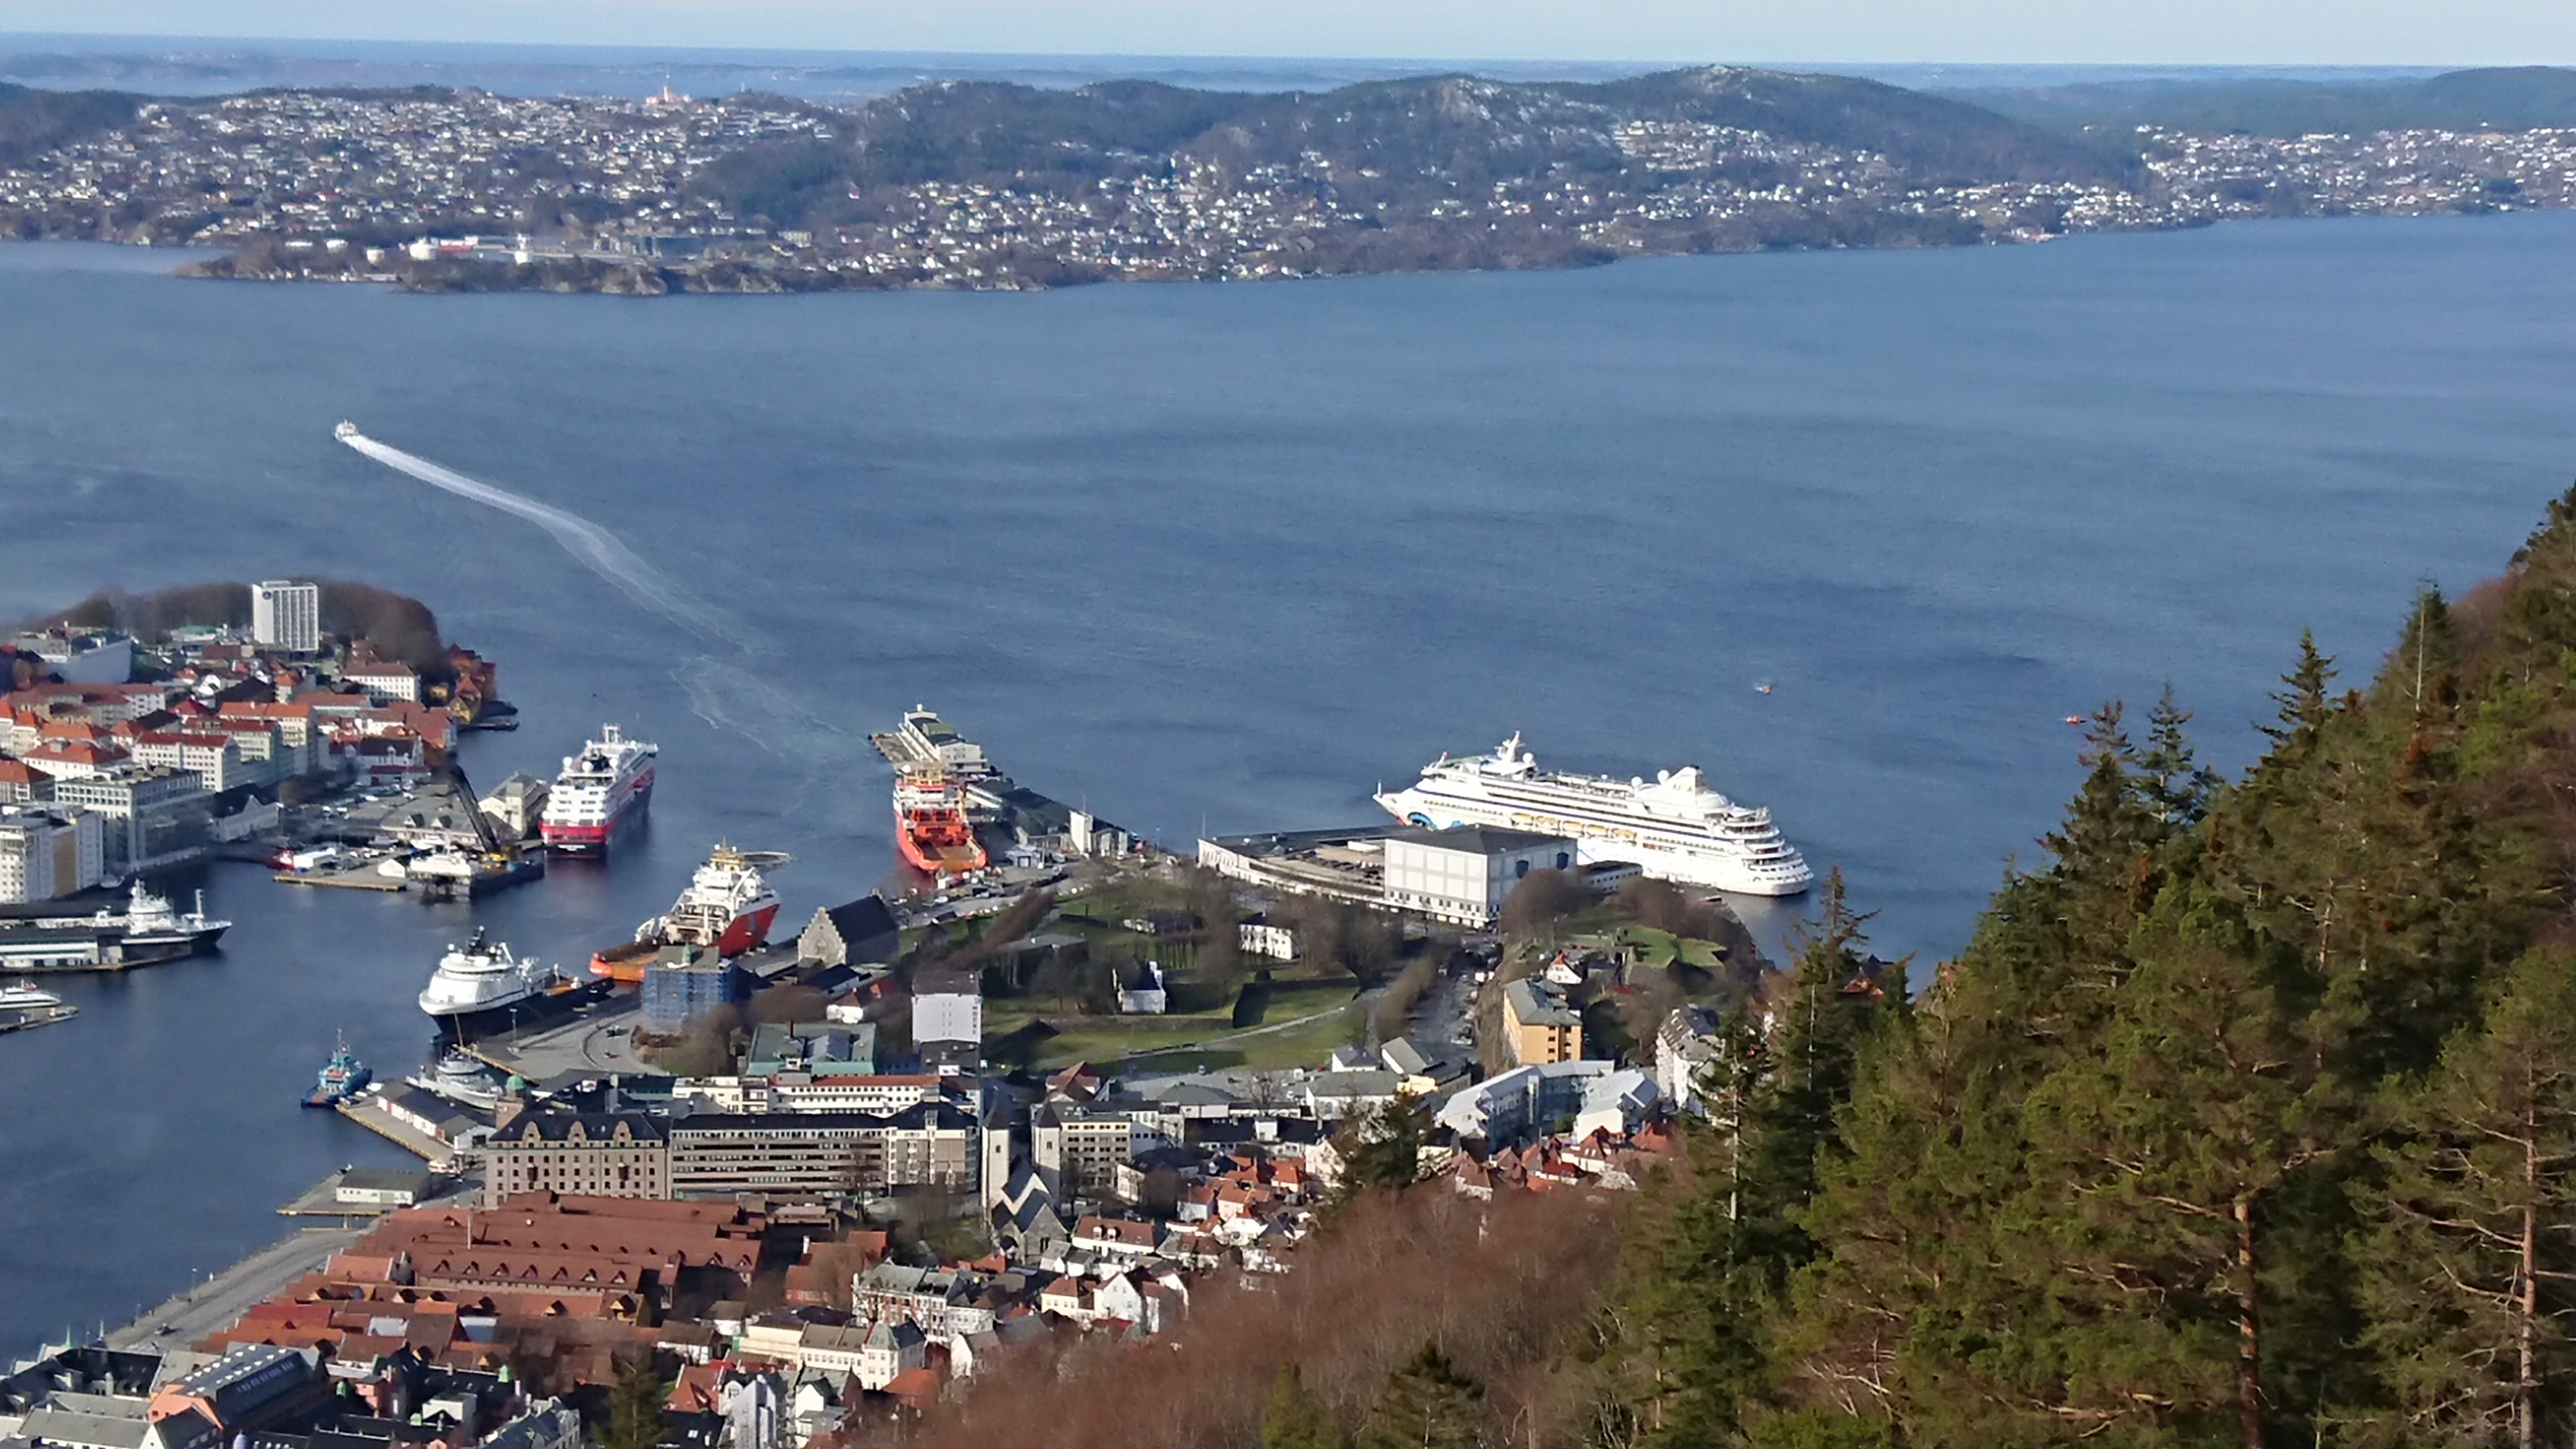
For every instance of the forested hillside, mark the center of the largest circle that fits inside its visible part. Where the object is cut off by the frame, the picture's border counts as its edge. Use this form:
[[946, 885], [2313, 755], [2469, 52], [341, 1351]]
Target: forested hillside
[[34, 121], [2248, 1119]]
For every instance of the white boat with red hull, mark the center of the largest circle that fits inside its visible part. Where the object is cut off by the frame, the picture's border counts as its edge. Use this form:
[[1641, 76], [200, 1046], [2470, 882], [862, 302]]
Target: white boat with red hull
[[600, 791]]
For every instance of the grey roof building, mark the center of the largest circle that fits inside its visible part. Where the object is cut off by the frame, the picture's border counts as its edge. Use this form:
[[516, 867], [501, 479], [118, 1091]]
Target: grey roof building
[[847, 934]]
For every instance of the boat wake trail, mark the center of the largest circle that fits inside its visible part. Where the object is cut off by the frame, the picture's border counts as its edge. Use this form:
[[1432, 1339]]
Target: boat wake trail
[[587, 541], [721, 690], [729, 696]]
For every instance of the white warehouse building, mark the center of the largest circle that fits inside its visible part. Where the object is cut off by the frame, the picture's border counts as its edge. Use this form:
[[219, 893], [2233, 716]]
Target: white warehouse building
[[1463, 875]]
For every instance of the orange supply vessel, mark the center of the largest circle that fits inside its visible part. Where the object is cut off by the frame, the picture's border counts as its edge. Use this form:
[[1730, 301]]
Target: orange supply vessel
[[728, 908], [930, 824]]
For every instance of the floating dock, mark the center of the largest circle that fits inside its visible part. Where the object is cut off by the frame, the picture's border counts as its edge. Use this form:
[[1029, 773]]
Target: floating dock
[[361, 877], [33, 1017]]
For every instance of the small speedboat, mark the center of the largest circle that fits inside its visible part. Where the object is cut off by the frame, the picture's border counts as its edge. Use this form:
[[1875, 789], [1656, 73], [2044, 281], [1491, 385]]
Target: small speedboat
[[19, 996], [2075, 719]]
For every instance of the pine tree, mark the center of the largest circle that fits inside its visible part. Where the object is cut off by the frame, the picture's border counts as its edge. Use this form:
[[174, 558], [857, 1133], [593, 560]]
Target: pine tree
[[2104, 868], [1295, 1420], [635, 1418], [2158, 1164], [2421, 683], [2174, 786], [1427, 1404], [1829, 1010], [2470, 1271], [2304, 704], [1382, 1149]]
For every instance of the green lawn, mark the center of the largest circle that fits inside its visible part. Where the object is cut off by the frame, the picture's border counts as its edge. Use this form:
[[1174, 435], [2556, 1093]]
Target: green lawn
[[1107, 1039], [1659, 948]]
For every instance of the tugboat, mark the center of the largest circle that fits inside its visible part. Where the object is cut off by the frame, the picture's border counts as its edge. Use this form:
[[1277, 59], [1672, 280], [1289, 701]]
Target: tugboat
[[341, 1078]]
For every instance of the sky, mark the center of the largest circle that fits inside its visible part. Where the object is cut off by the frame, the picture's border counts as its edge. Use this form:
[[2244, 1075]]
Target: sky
[[2116, 32]]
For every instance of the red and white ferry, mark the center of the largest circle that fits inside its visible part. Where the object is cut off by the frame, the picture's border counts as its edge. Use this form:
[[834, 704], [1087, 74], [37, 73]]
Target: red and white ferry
[[728, 906], [600, 789]]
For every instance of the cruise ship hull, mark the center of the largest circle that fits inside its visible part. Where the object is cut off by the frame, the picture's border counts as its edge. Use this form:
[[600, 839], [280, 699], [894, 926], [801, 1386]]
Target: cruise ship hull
[[37, 949], [511, 1013], [590, 839], [625, 962], [933, 857], [1598, 842]]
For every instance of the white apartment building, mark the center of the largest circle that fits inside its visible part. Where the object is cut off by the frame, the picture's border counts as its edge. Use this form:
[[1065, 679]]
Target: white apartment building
[[286, 615], [48, 854], [214, 758]]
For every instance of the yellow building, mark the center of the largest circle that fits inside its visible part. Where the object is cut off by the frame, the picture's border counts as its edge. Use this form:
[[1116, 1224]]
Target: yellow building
[[1542, 1028]]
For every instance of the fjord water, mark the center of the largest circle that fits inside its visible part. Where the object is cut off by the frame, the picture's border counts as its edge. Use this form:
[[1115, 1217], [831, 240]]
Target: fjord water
[[1228, 556]]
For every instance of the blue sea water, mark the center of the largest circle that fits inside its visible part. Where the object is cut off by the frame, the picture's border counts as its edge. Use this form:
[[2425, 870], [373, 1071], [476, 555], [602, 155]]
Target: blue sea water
[[1223, 557]]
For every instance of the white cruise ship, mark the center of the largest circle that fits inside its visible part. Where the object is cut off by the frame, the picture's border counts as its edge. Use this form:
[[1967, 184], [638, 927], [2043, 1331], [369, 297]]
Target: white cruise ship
[[1674, 827]]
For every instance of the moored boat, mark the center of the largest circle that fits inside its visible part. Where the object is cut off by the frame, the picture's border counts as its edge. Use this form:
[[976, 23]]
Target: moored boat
[[148, 931], [931, 828], [599, 791], [459, 1077], [481, 983], [1674, 827], [342, 1077], [728, 907], [20, 996]]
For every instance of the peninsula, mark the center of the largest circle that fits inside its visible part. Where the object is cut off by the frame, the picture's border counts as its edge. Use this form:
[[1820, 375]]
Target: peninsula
[[985, 185]]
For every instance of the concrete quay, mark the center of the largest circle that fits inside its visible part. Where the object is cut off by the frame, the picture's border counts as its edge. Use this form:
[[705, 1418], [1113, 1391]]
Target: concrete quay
[[597, 1041], [367, 1109], [220, 1301]]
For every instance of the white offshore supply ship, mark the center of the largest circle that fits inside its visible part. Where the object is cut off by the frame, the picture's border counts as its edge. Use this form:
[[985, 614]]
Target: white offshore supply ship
[[481, 982], [1674, 827]]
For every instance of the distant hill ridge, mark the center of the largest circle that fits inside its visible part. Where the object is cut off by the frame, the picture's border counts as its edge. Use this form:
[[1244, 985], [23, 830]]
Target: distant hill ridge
[[1460, 124], [2516, 98], [1460, 133]]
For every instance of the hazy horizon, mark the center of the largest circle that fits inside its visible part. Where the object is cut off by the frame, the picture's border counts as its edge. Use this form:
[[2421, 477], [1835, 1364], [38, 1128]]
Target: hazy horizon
[[2175, 33], [214, 65]]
